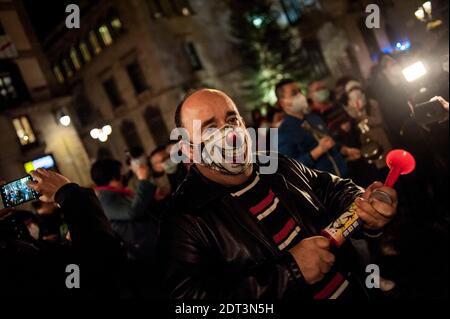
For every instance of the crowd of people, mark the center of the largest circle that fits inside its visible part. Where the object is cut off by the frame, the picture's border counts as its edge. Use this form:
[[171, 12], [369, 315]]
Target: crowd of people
[[151, 227]]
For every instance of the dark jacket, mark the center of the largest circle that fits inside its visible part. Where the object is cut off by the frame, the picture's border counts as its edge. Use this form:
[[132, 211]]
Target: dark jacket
[[210, 247], [29, 269], [297, 142], [131, 217]]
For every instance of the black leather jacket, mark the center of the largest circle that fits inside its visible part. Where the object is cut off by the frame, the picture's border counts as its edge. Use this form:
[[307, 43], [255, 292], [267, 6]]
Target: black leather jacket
[[210, 247]]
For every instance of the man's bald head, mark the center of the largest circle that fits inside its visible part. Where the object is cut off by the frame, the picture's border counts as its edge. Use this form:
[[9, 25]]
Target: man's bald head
[[199, 102]]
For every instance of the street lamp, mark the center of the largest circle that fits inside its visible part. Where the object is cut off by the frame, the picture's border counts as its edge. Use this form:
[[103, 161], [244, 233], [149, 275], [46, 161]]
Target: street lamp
[[62, 117], [101, 133], [64, 120], [423, 13]]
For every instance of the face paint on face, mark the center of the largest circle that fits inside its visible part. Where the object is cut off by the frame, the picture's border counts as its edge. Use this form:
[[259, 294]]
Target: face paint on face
[[227, 149]]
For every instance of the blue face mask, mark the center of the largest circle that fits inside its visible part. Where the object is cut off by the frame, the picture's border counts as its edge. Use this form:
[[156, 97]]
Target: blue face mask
[[322, 95]]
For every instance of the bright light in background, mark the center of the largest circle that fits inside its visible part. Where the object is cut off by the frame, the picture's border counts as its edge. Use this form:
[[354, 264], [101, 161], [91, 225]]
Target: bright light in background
[[102, 137], [403, 45], [257, 22], [414, 71], [41, 162], [427, 7], [107, 129], [420, 14], [64, 120], [94, 133], [101, 133]]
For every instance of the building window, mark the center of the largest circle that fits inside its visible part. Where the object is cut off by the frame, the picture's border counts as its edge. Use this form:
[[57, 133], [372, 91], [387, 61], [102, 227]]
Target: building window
[[181, 7], [93, 40], [85, 52], [75, 58], [67, 68], [292, 10], [193, 57], [23, 130], [156, 9], [58, 74], [114, 22], [116, 25], [7, 89], [137, 77], [130, 134], [105, 35], [156, 125], [110, 87]]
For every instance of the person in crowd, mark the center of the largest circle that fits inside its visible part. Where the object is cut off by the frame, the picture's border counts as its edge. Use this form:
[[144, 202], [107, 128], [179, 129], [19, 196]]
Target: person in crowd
[[323, 104], [27, 268], [233, 232], [366, 114], [130, 213], [388, 86], [303, 135], [275, 116], [134, 158], [339, 87]]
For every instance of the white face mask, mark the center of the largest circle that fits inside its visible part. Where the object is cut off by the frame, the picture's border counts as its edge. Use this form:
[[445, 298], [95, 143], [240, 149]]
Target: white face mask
[[227, 150], [300, 104]]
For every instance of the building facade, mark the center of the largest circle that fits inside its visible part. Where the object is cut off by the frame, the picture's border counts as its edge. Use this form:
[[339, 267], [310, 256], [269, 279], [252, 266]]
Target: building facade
[[131, 62], [30, 102]]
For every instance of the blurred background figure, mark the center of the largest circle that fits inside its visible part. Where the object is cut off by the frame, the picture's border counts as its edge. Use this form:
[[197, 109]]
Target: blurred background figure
[[322, 103], [304, 136], [166, 174], [133, 216]]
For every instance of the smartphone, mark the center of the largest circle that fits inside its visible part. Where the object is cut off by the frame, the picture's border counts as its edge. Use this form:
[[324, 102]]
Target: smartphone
[[429, 112], [17, 192]]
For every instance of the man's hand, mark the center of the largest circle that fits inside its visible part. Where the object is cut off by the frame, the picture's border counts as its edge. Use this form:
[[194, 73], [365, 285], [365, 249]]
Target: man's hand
[[441, 100], [47, 183], [326, 143], [374, 213], [351, 153], [313, 258], [142, 171]]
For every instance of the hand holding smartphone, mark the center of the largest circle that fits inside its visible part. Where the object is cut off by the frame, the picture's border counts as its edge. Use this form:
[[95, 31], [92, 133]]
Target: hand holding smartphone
[[17, 192]]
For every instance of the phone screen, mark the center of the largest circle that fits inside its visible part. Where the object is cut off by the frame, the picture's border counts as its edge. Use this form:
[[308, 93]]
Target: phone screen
[[17, 192]]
